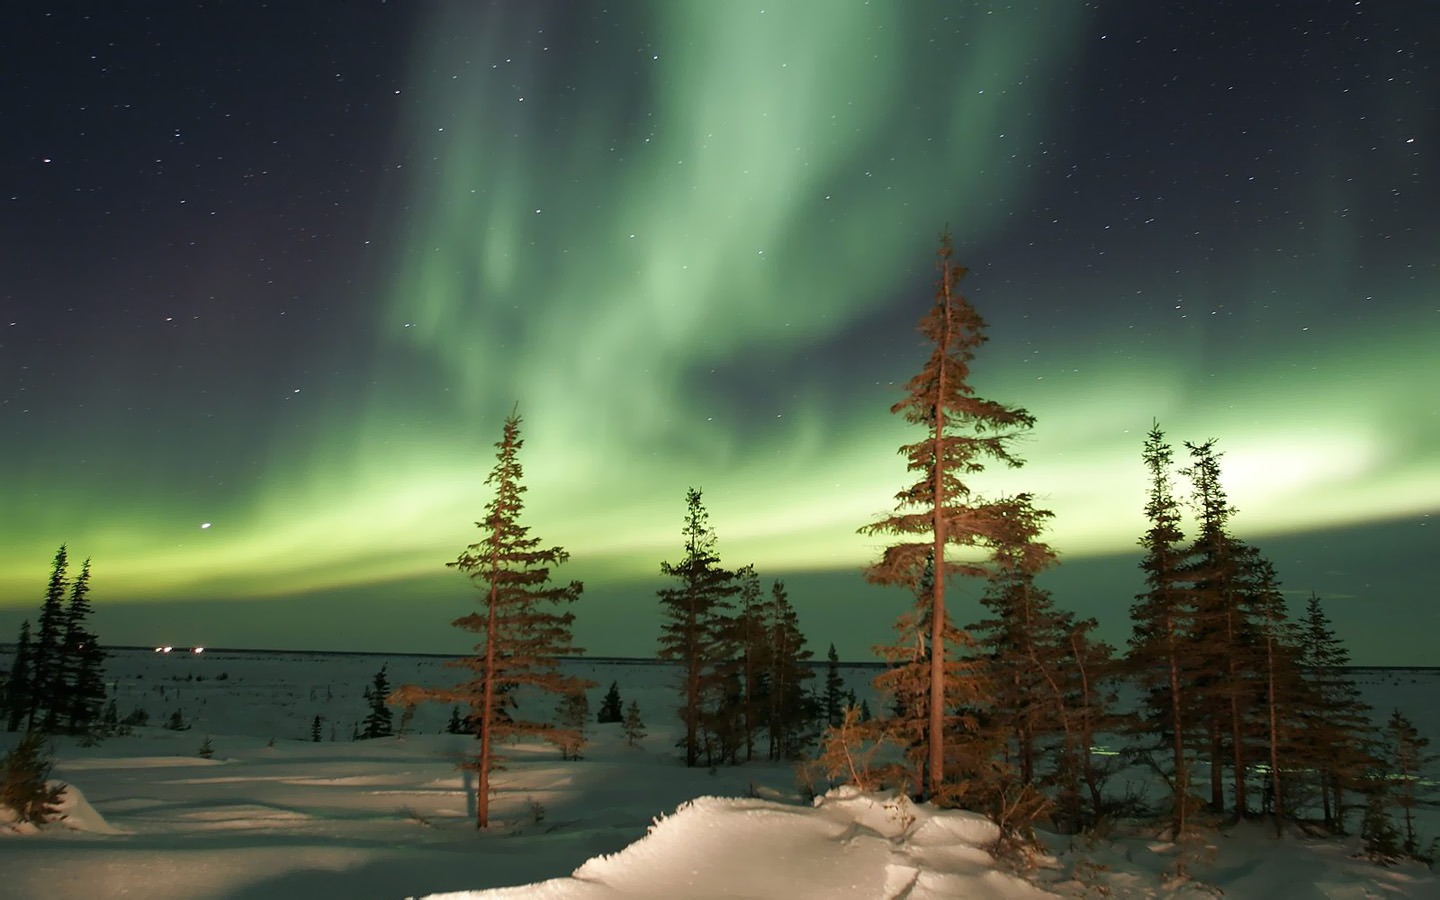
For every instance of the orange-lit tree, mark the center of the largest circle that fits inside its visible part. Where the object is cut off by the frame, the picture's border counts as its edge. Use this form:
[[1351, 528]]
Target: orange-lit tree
[[940, 511], [521, 625]]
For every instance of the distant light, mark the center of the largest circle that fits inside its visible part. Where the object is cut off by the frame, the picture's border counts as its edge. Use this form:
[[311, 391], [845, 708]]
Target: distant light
[[199, 649], [204, 525], [167, 649]]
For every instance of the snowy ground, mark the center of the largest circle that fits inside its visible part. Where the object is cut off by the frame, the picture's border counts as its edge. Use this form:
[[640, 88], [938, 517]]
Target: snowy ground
[[276, 815]]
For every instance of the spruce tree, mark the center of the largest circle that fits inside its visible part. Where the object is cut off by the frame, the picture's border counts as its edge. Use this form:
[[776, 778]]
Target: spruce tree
[[377, 722], [572, 714], [1226, 656], [84, 668], [788, 701], [20, 686], [47, 672], [694, 627], [940, 510], [1024, 642], [611, 708], [522, 633], [1407, 759], [834, 709], [315, 728], [634, 727], [1339, 733], [751, 638], [1159, 657]]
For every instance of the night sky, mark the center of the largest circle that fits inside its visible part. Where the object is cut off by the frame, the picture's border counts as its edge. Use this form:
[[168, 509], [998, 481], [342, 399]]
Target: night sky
[[272, 275]]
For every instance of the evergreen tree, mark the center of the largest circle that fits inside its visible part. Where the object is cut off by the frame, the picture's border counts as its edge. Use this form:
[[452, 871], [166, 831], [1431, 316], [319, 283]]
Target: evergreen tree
[[456, 725], [572, 714], [47, 673], [1024, 642], [788, 702], [521, 632], [611, 709], [834, 709], [940, 510], [1226, 656], [1285, 694], [1338, 733], [84, 668], [19, 688], [377, 723], [633, 726], [1406, 759], [1377, 829], [751, 637], [1159, 656], [694, 627], [315, 728]]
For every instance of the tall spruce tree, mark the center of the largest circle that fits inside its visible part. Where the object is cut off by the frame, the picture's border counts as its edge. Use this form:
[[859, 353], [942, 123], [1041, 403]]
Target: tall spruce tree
[[789, 708], [47, 654], [84, 668], [1227, 656], [751, 638], [695, 627], [521, 631], [1339, 733], [834, 698], [940, 510], [1159, 657], [19, 687], [612, 709]]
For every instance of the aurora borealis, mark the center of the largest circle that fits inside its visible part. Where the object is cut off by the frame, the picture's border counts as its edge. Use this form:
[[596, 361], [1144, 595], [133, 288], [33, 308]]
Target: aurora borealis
[[282, 272]]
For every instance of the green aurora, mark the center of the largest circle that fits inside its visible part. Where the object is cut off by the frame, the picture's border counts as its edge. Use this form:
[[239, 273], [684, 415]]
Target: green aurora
[[695, 257]]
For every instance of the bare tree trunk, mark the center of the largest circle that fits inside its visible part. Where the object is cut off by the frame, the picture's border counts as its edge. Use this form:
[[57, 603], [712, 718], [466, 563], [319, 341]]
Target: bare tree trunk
[[487, 715]]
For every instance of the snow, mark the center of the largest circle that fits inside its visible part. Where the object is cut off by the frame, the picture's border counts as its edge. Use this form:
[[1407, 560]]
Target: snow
[[275, 815]]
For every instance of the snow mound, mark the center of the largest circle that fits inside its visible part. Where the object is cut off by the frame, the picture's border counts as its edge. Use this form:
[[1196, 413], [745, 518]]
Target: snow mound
[[848, 845]]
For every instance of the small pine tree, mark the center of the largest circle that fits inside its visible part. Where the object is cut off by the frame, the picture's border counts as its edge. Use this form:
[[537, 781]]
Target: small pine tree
[[634, 727], [24, 787], [207, 749], [572, 713], [315, 728], [1407, 759], [611, 709], [378, 719], [1377, 829], [456, 725], [177, 722]]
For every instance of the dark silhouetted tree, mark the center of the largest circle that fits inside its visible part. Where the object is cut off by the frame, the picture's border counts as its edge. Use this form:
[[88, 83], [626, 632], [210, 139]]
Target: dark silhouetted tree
[[1339, 733], [834, 697], [84, 668], [378, 720], [611, 707], [789, 705], [24, 785], [1159, 657], [695, 625], [47, 656], [19, 687]]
